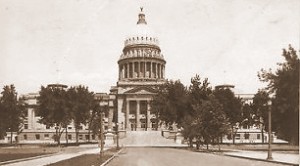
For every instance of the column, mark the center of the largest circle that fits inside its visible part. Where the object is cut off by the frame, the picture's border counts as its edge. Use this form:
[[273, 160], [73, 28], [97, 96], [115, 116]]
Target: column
[[162, 71], [151, 70], [156, 66], [158, 71], [145, 69], [120, 72], [138, 122], [127, 125], [133, 68], [139, 69], [148, 116], [127, 70]]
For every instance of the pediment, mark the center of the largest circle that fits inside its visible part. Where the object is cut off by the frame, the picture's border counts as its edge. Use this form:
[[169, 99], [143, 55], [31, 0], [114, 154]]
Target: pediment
[[141, 90]]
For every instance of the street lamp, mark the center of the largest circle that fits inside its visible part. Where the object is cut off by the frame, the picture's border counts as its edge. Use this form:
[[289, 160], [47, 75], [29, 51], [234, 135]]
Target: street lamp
[[101, 135], [269, 131], [117, 132]]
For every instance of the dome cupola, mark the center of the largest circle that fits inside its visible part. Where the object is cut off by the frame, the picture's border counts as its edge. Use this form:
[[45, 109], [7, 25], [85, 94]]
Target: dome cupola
[[141, 58]]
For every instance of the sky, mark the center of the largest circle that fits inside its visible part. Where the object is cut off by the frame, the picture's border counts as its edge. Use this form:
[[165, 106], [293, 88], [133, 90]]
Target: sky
[[80, 41]]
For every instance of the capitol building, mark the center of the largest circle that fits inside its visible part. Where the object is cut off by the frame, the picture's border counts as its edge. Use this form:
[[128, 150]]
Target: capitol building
[[141, 71]]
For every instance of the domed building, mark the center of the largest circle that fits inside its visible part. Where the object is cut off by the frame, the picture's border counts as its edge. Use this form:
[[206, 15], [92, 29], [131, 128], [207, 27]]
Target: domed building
[[141, 71]]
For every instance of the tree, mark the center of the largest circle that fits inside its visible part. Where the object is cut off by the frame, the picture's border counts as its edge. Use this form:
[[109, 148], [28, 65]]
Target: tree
[[210, 121], [11, 111], [207, 122], [53, 109], [79, 101], [232, 106], [170, 103], [260, 108], [94, 121], [284, 85]]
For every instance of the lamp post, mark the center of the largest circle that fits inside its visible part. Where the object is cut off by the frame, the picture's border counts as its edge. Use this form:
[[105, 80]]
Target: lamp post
[[101, 135], [117, 132], [269, 131]]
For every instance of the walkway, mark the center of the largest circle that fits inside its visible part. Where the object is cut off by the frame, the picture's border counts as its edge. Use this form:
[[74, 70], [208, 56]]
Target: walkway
[[55, 157], [281, 157], [178, 157]]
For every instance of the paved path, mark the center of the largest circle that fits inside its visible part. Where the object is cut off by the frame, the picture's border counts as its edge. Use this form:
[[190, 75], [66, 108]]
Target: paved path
[[178, 157], [55, 158], [277, 156]]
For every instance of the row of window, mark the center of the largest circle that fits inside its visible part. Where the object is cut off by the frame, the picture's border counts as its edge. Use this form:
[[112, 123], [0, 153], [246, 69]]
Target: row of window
[[46, 136], [48, 127]]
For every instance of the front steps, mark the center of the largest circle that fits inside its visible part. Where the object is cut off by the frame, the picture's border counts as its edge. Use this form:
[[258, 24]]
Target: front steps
[[147, 139]]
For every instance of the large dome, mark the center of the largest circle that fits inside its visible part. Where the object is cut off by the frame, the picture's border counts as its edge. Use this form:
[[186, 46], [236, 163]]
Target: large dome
[[141, 33], [141, 59]]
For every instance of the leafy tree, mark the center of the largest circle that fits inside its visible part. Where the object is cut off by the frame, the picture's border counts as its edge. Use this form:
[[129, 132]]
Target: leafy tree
[[206, 121], [247, 114], [11, 111], [284, 85], [231, 106], [79, 101], [94, 122], [260, 108], [171, 102], [53, 109], [210, 122]]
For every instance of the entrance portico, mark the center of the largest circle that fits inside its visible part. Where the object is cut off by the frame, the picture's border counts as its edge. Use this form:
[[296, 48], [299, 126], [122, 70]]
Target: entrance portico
[[141, 72], [137, 114]]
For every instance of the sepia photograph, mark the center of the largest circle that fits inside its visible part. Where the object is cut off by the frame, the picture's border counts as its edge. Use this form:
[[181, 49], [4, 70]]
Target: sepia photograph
[[149, 82]]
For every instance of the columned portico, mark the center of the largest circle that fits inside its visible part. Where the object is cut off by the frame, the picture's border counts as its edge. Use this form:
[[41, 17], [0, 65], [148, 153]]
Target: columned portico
[[137, 114], [141, 72]]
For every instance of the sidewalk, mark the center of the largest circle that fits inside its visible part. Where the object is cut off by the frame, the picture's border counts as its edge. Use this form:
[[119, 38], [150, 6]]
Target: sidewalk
[[278, 157], [54, 158]]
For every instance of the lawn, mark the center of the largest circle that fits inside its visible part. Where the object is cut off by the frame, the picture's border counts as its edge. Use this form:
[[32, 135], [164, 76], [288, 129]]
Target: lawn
[[87, 159], [18, 152], [14, 156]]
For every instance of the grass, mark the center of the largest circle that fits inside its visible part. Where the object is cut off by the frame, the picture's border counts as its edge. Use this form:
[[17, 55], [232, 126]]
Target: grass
[[18, 152], [87, 159], [14, 156]]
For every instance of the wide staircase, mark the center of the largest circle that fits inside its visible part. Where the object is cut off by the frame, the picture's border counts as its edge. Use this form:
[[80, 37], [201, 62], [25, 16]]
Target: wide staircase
[[147, 138]]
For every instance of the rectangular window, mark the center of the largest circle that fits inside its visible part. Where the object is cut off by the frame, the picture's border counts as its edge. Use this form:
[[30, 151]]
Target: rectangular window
[[25, 137], [237, 136], [46, 136], [87, 137], [143, 107], [69, 127], [132, 107], [258, 136], [80, 137], [47, 127], [25, 126], [247, 135], [69, 136], [93, 136], [37, 136]]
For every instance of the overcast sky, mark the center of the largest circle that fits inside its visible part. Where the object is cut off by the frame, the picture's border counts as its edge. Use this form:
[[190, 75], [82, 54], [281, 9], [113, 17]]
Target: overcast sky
[[80, 41]]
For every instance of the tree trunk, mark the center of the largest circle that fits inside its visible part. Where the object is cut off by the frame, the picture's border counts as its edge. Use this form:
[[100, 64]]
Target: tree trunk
[[262, 136], [233, 135], [206, 146], [89, 133], [77, 133], [197, 145], [11, 136], [57, 137], [67, 135], [219, 143], [191, 142]]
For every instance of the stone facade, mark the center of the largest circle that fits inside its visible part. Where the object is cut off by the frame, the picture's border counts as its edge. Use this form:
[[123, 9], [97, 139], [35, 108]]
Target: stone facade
[[141, 71]]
